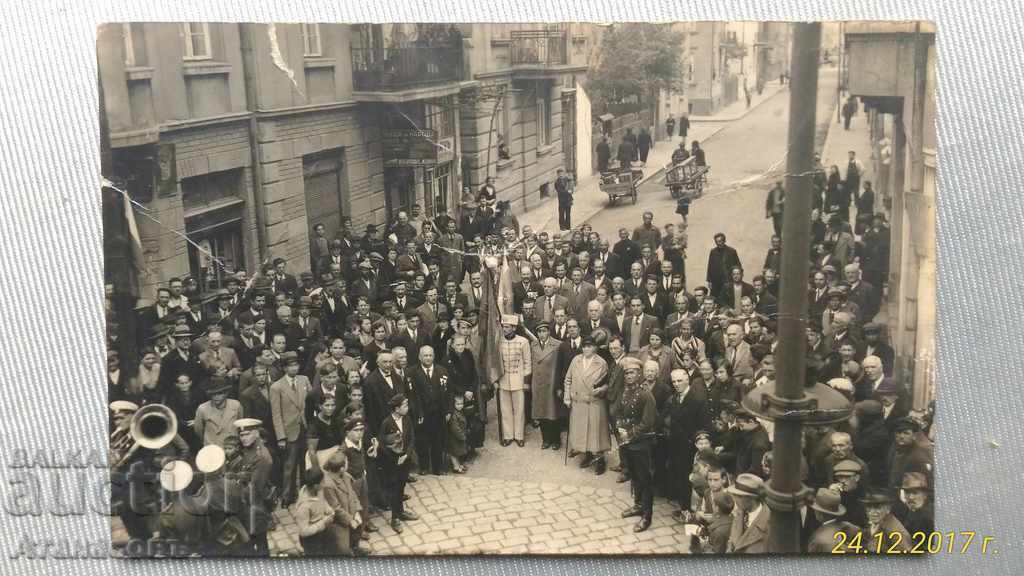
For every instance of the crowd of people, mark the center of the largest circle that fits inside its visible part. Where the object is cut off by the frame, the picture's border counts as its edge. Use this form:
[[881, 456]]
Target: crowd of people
[[329, 392]]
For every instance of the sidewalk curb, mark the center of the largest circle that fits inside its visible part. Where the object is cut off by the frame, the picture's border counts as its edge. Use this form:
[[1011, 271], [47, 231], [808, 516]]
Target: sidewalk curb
[[583, 217]]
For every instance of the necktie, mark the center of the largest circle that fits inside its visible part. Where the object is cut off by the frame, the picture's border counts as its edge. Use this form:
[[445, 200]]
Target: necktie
[[430, 372], [594, 323]]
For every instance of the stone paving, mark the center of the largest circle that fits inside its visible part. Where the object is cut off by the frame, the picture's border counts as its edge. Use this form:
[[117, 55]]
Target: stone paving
[[467, 515]]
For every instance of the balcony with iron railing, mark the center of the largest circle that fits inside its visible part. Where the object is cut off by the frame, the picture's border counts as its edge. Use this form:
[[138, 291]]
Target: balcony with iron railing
[[539, 47], [405, 66]]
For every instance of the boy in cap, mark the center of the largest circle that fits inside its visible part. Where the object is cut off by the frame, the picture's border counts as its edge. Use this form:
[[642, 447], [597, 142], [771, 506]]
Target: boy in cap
[[397, 457]]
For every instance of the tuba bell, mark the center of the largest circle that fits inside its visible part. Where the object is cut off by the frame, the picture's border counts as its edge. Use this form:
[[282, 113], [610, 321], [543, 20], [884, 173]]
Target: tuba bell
[[153, 426]]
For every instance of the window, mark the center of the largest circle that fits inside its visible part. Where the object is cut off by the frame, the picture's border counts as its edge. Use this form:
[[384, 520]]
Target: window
[[129, 51], [440, 117], [197, 40], [543, 116], [211, 190], [437, 189], [311, 40]]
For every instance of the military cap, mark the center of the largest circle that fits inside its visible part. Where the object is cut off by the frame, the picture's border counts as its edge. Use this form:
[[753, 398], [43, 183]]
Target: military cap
[[828, 502], [176, 476], [542, 324], [509, 320], [747, 485], [210, 459], [701, 434], [376, 257], [630, 363], [119, 406], [289, 358], [847, 467], [246, 423], [836, 293], [396, 401], [587, 341], [366, 265]]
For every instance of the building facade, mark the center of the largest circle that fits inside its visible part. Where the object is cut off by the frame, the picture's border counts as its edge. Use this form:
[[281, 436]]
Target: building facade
[[237, 139], [891, 68]]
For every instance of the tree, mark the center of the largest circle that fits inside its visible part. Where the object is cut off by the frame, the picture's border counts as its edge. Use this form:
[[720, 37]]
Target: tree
[[637, 59]]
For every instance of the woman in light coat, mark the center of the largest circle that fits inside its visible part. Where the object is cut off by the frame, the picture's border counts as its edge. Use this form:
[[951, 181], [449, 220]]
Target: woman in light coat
[[586, 382]]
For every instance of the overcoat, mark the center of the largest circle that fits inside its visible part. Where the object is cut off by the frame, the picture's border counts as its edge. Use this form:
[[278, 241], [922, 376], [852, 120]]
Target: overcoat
[[588, 417], [545, 404]]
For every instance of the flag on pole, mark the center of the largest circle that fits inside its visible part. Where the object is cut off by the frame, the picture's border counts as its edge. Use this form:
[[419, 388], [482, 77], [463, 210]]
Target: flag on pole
[[488, 361]]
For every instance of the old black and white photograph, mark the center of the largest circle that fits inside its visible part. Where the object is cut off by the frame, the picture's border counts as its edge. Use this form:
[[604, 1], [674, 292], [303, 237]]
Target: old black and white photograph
[[574, 288]]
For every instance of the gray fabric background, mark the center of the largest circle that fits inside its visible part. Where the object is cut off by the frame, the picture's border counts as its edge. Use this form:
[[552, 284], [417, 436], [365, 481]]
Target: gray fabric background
[[51, 321]]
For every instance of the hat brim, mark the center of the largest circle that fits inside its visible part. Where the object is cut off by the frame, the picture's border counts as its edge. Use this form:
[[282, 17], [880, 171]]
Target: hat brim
[[840, 512], [737, 492]]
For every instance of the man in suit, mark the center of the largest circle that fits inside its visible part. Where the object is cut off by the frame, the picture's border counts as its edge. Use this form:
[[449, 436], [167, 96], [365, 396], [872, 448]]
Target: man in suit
[[430, 310], [732, 292], [475, 293], [637, 330], [749, 533], [218, 355], [180, 361], [366, 286], [525, 288], [829, 511], [635, 284], [627, 250], [303, 332], [319, 247], [737, 352], [817, 296], [397, 457], [570, 347], [873, 346], [773, 258], [429, 386], [546, 305], [152, 315], [404, 302], [649, 264], [599, 277], [619, 313], [282, 280], [867, 298], [721, 260], [656, 302], [378, 388], [414, 338], [578, 293], [674, 321], [613, 262], [288, 410], [764, 302], [595, 319]]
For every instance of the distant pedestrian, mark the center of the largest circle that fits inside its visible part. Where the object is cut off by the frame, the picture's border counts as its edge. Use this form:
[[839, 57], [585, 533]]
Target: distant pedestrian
[[746, 93], [698, 154], [631, 138], [625, 154], [670, 126], [849, 107], [562, 187], [604, 154], [773, 206], [644, 144], [684, 127]]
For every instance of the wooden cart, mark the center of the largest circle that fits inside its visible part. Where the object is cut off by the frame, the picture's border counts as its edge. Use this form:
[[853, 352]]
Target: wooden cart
[[620, 184], [686, 178]]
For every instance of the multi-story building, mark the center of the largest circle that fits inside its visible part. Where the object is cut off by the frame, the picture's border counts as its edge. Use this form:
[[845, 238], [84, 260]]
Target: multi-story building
[[773, 45], [891, 68], [237, 139]]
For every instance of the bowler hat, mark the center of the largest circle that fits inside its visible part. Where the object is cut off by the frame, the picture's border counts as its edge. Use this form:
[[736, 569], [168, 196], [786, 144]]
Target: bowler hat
[[747, 484], [828, 502]]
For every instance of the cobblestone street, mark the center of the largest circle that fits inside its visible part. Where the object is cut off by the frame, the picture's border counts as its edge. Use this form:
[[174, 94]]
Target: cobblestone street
[[516, 501]]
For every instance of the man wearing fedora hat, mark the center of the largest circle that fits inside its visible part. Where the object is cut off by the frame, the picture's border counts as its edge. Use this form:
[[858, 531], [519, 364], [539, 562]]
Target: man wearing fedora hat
[[749, 532], [181, 360], [880, 521], [215, 418], [916, 511], [829, 511], [287, 407], [303, 332]]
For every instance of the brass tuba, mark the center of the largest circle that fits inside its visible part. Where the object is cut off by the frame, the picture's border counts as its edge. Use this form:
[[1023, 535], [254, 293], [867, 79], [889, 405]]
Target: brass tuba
[[153, 426]]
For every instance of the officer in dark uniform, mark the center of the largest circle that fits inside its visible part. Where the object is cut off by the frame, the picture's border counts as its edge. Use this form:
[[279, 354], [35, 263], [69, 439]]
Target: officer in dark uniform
[[637, 414], [224, 504], [252, 467]]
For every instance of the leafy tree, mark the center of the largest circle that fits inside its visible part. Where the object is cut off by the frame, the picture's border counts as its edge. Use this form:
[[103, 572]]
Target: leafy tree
[[637, 59]]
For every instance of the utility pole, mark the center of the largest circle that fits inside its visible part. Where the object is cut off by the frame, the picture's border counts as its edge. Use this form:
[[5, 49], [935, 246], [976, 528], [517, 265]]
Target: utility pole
[[786, 488], [839, 64]]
